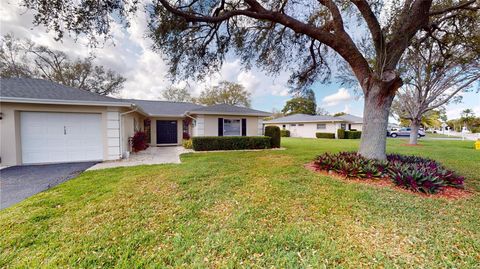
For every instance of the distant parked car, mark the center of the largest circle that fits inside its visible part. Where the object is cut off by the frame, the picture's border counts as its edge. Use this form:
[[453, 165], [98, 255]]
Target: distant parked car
[[394, 132]]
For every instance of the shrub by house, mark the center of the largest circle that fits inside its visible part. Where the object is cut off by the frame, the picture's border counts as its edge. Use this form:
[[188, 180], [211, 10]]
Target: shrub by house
[[205, 143], [285, 133], [325, 135], [274, 133]]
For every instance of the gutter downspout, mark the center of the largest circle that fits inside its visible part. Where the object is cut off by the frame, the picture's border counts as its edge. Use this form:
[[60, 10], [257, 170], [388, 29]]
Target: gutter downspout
[[121, 129]]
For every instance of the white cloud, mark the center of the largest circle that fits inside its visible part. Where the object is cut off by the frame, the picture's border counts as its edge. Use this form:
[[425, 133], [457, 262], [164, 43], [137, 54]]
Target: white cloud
[[346, 109], [341, 96], [129, 53]]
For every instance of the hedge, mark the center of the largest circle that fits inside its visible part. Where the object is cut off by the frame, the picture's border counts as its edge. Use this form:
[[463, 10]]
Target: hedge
[[341, 134], [204, 143], [274, 133], [325, 135], [285, 133], [353, 134]]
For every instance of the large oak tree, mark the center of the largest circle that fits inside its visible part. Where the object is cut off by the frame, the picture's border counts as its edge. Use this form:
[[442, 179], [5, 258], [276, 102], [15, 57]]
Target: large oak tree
[[299, 36]]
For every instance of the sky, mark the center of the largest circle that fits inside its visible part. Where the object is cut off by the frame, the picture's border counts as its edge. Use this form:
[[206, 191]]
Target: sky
[[129, 53]]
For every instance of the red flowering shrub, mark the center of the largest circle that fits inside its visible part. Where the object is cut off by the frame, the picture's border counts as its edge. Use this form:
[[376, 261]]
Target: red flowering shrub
[[186, 136], [411, 172], [139, 141]]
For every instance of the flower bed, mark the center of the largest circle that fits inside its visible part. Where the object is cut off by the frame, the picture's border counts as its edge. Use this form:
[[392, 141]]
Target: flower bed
[[410, 172]]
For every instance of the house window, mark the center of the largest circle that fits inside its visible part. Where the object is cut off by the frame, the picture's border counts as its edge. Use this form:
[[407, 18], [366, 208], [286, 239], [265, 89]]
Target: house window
[[300, 124], [293, 125], [321, 126], [232, 127], [284, 126], [343, 126]]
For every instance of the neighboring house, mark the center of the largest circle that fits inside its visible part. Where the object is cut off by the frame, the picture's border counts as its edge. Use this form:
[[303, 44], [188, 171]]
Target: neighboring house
[[45, 122], [302, 125]]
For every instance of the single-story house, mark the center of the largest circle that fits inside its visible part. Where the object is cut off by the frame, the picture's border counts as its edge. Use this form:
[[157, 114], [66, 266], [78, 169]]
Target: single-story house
[[302, 125], [45, 122]]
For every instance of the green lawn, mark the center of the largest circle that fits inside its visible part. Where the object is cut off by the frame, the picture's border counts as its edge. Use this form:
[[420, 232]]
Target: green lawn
[[246, 209], [439, 135]]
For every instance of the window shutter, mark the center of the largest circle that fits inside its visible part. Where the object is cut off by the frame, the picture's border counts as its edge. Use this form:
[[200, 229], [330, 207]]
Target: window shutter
[[220, 126], [244, 127]]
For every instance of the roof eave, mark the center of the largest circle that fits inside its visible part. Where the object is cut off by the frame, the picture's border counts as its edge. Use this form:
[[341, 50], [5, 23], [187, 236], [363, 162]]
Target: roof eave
[[302, 121], [229, 113], [62, 102], [165, 116]]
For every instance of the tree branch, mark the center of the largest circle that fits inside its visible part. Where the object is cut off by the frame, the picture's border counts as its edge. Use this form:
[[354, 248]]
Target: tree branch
[[464, 5]]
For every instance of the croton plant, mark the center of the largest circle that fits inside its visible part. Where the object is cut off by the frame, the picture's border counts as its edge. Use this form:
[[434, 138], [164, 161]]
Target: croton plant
[[411, 172]]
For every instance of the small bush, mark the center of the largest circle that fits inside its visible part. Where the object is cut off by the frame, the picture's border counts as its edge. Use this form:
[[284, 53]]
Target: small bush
[[325, 135], [410, 172], [284, 133], [274, 133], [230, 142], [187, 144], [139, 141], [353, 134], [341, 134]]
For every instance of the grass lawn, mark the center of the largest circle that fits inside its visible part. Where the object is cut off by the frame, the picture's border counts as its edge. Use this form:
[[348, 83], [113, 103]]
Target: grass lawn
[[246, 209], [432, 135]]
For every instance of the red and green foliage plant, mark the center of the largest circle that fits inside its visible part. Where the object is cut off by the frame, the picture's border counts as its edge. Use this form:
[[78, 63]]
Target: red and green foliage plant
[[410, 172], [139, 141]]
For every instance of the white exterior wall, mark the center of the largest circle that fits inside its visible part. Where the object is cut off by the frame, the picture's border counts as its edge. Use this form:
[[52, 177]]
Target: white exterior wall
[[113, 135], [10, 138], [308, 130], [207, 125], [357, 126]]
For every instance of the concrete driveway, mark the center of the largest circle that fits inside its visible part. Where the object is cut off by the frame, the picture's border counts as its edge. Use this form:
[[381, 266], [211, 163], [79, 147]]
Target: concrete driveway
[[20, 182], [152, 155]]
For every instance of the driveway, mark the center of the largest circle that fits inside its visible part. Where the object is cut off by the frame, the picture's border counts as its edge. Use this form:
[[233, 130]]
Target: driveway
[[152, 155], [20, 182]]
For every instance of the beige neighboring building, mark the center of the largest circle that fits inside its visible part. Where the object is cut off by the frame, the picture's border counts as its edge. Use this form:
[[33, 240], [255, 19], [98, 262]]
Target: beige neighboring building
[[45, 122], [302, 125]]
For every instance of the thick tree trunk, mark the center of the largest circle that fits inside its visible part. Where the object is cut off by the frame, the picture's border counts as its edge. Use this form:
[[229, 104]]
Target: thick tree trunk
[[375, 122], [414, 126]]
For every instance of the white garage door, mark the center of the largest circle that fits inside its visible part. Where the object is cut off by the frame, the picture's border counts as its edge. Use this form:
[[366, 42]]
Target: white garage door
[[60, 137]]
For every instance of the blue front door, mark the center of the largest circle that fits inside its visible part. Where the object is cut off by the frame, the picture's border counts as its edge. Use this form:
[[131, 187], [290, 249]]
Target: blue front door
[[167, 132]]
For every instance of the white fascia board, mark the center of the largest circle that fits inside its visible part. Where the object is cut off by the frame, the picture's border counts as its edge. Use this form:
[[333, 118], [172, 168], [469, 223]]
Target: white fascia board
[[62, 102], [319, 121], [231, 114]]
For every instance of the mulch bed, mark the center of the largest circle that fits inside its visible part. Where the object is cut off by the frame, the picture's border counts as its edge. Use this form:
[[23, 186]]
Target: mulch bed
[[449, 193]]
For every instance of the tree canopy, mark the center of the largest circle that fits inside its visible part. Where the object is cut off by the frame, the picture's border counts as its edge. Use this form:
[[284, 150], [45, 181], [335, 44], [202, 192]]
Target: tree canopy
[[299, 105], [177, 94], [22, 58], [301, 37], [225, 93]]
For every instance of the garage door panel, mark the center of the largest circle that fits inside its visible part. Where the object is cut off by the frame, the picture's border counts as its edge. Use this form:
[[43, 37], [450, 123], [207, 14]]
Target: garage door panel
[[61, 137]]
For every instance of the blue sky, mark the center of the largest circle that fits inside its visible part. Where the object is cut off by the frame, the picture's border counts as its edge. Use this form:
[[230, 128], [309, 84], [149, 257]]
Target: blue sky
[[129, 54]]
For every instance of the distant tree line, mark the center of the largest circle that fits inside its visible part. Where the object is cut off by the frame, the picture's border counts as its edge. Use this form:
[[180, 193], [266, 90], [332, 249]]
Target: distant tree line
[[21, 58]]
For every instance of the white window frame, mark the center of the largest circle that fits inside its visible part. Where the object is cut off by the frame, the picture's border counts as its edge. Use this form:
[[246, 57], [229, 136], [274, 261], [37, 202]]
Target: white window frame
[[324, 126], [232, 119]]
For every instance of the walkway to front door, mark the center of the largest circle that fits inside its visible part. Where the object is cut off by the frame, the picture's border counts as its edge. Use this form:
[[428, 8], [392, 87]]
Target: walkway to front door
[[152, 155]]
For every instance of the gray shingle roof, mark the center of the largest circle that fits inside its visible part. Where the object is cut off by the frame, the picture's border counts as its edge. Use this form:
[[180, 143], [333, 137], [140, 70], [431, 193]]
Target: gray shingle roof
[[41, 90], [228, 109], [352, 118], [48, 90], [305, 118], [164, 108]]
